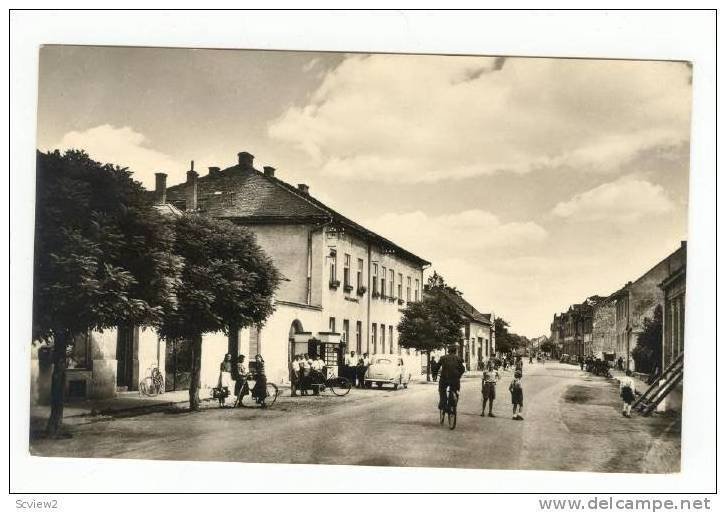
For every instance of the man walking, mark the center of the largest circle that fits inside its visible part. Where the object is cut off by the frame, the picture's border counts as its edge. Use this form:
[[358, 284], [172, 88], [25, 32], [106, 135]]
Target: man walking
[[488, 388]]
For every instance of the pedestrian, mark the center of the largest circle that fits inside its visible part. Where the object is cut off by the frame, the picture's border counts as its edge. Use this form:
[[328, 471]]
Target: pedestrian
[[305, 368], [259, 391], [518, 365], [295, 375], [620, 363], [434, 369], [316, 374], [364, 370], [240, 383], [627, 392], [489, 388], [350, 362], [515, 388], [359, 372], [224, 383]]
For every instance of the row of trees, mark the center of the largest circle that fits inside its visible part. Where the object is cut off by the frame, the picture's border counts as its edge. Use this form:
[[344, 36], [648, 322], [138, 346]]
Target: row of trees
[[105, 257]]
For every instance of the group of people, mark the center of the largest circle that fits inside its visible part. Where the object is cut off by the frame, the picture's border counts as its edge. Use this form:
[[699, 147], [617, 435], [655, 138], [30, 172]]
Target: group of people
[[306, 374], [234, 375], [450, 367], [355, 368]]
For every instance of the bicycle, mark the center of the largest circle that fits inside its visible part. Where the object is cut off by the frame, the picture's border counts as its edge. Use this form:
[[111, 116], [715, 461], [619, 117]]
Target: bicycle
[[153, 384], [339, 385], [449, 409], [245, 399]]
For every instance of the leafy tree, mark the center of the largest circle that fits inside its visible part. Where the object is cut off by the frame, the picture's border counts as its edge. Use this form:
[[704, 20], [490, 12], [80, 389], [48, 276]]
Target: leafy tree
[[507, 342], [102, 257], [227, 283], [431, 324], [648, 351], [547, 346]]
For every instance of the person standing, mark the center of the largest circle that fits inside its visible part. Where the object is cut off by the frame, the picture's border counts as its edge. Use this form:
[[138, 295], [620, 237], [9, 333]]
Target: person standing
[[259, 391], [489, 388], [627, 392], [350, 363], [241, 381], [434, 369], [364, 370], [359, 372], [224, 383], [515, 388], [294, 375], [316, 374]]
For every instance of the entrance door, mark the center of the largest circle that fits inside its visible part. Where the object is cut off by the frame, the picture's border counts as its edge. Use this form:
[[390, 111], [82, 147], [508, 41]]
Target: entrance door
[[125, 357]]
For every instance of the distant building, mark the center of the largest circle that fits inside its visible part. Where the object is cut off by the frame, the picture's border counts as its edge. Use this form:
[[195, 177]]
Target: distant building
[[478, 341], [604, 335], [571, 331], [637, 300]]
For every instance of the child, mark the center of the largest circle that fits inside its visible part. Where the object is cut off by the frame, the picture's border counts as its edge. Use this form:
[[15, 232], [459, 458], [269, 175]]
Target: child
[[515, 387], [627, 392]]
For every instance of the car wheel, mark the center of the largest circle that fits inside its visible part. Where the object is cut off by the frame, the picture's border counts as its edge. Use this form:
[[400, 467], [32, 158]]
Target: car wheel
[[379, 384], [395, 386]]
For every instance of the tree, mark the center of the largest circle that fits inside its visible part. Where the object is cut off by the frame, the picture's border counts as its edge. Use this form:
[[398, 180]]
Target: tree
[[102, 257], [648, 351], [507, 342], [227, 282], [430, 324]]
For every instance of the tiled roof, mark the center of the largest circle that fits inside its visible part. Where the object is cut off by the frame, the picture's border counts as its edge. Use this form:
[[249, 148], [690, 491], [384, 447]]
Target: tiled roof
[[247, 195], [467, 308]]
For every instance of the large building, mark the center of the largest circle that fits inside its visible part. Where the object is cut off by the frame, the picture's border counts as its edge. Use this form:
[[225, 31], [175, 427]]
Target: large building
[[572, 331], [343, 287], [637, 300]]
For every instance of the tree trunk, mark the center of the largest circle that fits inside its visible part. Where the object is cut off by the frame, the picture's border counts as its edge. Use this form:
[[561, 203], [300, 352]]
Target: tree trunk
[[57, 384], [233, 349], [194, 384], [428, 365]]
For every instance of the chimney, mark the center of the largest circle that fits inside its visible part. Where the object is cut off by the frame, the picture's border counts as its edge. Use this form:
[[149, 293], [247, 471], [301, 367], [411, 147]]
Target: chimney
[[303, 188], [213, 170], [160, 191], [244, 159], [192, 177], [269, 171]]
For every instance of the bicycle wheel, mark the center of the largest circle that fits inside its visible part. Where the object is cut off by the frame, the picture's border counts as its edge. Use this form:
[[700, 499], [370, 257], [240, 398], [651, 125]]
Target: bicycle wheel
[[442, 416], [452, 411], [339, 386], [148, 388], [272, 393]]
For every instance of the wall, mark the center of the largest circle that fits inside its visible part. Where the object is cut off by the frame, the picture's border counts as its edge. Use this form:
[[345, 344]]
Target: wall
[[603, 329]]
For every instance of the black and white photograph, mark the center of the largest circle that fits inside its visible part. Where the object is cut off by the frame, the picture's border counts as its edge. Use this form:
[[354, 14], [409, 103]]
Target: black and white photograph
[[361, 259]]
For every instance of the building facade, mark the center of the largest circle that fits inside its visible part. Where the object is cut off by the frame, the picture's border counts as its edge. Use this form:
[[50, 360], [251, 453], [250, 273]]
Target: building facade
[[604, 337], [343, 288], [637, 301]]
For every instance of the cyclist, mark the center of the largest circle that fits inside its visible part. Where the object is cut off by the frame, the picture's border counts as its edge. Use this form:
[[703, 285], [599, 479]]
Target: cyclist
[[451, 368]]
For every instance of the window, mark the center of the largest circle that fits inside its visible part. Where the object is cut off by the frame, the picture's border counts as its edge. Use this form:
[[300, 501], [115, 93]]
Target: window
[[390, 339], [346, 331], [346, 270], [400, 286], [375, 279], [333, 265], [392, 279], [374, 337], [358, 341], [383, 281], [408, 288], [415, 292], [331, 325], [383, 338], [359, 277]]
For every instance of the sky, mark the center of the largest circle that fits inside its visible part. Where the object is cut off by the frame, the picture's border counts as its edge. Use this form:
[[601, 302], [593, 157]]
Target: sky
[[529, 183]]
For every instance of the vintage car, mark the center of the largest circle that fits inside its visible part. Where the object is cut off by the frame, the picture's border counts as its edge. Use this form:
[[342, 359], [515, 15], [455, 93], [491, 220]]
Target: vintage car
[[387, 368]]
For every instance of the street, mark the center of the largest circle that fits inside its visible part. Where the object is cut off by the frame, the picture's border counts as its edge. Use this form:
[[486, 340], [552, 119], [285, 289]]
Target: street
[[572, 422]]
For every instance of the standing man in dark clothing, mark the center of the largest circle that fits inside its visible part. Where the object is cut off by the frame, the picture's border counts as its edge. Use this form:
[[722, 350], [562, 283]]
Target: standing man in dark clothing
[[451, 368]]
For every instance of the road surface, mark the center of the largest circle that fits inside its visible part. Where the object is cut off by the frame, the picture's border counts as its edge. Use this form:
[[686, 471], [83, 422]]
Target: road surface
[[572, 422]]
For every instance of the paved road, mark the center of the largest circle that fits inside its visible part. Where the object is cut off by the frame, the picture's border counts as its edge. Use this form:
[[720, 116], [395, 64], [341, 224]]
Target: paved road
[[571, 423]]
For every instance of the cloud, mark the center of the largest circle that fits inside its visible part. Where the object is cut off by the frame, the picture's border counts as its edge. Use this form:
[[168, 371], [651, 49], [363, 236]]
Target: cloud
[[625, 200], [124, 147], [468, 232], [428, 118]]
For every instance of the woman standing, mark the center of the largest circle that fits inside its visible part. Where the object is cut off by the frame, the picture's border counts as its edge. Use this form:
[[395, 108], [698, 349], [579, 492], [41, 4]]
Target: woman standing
[[224, 384], [259, 391]]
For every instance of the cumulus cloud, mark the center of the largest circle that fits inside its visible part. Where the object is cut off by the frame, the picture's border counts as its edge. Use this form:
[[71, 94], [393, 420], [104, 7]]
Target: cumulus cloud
[[466, 232], [429, 118], [125, 147], [625, 200]]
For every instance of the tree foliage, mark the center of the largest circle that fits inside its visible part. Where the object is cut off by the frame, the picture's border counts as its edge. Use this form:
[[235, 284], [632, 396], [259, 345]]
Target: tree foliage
[[433, 323], [507, 342], [648, 351], [102, 255], [227, 282]]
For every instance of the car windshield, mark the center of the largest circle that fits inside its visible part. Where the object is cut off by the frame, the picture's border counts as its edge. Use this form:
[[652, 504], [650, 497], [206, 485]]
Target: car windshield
[[383, 360]]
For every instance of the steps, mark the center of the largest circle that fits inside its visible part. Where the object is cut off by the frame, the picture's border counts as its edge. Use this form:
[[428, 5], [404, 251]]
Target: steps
[[661, 387]]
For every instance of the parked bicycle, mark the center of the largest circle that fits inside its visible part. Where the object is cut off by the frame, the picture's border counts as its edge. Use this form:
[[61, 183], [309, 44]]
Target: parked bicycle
[[153, 384], [337, 384], [448, 412]]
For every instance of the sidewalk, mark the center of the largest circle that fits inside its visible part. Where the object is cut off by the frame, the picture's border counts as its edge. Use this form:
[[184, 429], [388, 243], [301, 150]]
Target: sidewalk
[[124, 404]]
